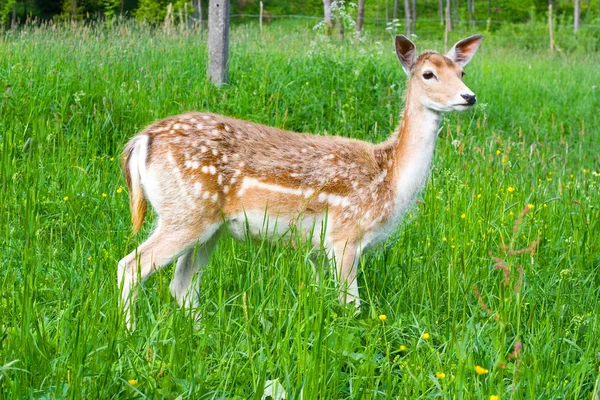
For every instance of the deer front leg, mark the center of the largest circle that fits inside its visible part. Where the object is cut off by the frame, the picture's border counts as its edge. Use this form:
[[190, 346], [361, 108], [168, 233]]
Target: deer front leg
[[346, 257]]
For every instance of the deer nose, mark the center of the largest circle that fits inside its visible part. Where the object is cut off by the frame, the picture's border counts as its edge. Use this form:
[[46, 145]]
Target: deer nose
[[470, 98]]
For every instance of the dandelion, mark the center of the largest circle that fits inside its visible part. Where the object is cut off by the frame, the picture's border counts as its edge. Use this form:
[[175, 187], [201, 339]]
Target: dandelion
[[112, 159], [444, 239], [66, 198], [545, 205], [426, 336], [480, 370], [463, 216], [89, 258], [571, 176], [382, 317], [132, 382], [503, 160], [402, 347], [511, 189], [440, 375], [479, 196], [549, 179], [530, 206], [498, 152], [104, 194], [119, 190], [494, 397]]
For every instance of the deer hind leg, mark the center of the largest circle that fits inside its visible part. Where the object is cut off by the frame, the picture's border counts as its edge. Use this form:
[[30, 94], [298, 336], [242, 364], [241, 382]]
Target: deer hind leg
[[189, 264], [346, 258], [165, 244]]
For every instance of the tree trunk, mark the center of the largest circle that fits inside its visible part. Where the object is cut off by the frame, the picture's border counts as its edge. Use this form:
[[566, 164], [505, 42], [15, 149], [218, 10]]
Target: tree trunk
[[472, 12], [13, 21], [413, 16], [448, 20], [196, 5], [550, 26], [576, 17], [441, 11], [407, 18], [456, 19], [327, 15], [360, 16], [218, 41], [395, 12]]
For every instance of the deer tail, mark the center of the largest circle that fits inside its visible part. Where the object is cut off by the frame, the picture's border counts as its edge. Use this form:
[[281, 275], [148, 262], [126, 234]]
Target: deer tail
[[134, 167]]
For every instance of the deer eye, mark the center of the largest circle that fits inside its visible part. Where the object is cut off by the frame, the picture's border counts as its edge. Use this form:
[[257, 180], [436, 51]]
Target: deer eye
[[428, 75]]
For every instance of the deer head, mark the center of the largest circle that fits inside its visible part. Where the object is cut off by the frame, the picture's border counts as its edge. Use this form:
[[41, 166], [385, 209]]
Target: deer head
[[435, 79]]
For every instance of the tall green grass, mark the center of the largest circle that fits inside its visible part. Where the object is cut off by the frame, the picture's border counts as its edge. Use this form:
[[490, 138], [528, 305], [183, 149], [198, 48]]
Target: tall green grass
[[447, 293]]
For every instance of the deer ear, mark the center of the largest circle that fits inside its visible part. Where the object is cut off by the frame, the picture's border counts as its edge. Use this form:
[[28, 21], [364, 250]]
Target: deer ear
[[406, 52], [464, 50]]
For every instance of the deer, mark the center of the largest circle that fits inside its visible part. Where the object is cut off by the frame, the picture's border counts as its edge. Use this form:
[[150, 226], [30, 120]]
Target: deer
[[205, 174]]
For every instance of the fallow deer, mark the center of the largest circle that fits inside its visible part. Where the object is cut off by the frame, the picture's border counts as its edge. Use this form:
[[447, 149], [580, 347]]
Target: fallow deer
[[204, 173]]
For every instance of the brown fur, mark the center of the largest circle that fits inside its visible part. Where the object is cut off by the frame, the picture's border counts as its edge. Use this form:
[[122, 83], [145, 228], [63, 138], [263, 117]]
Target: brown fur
[[203, 170]]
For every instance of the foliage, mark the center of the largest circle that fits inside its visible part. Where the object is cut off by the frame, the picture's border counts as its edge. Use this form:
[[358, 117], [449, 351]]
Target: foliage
[[458, 304]]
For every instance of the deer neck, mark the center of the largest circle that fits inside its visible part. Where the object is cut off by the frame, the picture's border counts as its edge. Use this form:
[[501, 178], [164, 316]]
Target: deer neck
[[412, 150]]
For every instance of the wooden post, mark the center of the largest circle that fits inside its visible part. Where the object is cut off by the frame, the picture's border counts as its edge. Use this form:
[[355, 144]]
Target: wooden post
[[413, 16], [261, 15], [550, 26], [218, 41], [13, 20], [360, 16], [407, 18], [576, 17]]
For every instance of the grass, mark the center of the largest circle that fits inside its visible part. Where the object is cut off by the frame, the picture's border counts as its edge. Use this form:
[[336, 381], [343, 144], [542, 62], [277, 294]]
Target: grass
[[454, 292]]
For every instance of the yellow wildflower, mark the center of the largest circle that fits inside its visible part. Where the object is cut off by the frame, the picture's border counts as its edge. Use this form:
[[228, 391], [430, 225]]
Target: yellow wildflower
[[89, 258], [112, 159], [530, 206], [426, 336], [66, 198], [463, 216], [440, 375], [402, 347], [382, 317], [504, 160], [480, 370], [132, 382], [511, 189], [104, 194], [494, 397], [498, 152], [119, 190], [479, 196]]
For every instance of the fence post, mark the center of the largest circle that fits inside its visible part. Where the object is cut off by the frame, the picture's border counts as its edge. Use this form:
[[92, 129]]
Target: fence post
[[550, 26], [218, 41], [261, 15]]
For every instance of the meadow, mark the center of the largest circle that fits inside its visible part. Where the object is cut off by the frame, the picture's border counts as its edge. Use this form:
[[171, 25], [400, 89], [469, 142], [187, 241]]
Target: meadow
[[489, 289]]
